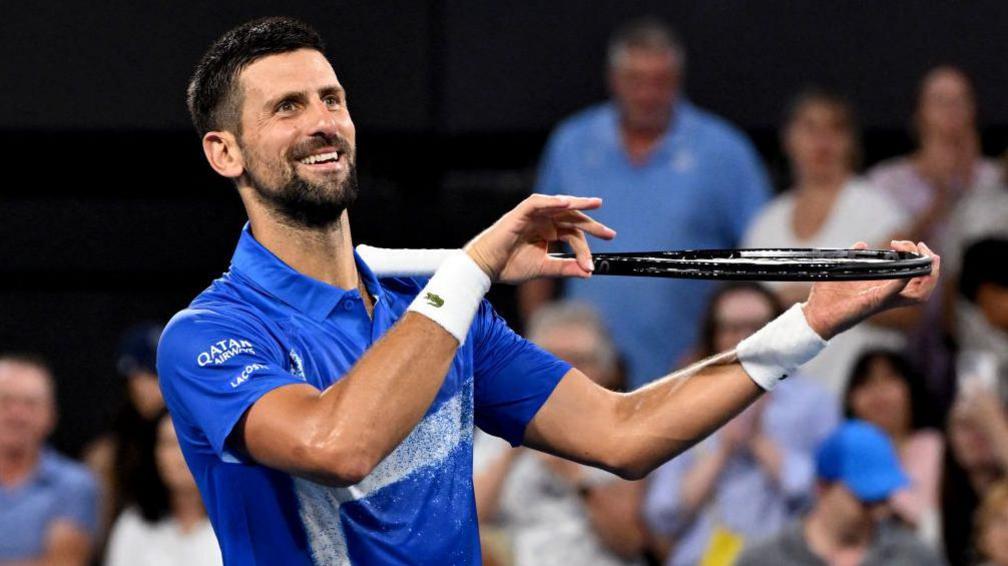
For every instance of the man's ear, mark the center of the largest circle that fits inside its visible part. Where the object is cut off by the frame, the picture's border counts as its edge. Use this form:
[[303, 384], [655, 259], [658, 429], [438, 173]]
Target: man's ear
[[223, 154]]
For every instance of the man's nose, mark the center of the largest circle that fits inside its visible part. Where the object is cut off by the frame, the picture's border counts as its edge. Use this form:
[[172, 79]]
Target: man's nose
[[323, 120]]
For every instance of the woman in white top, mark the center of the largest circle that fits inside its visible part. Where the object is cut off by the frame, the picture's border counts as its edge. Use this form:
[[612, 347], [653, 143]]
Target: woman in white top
[[827, 207], [167, 527]]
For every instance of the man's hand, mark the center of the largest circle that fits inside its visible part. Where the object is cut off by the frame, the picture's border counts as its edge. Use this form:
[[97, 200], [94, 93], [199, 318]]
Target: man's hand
[[833, 307], [516, 247]]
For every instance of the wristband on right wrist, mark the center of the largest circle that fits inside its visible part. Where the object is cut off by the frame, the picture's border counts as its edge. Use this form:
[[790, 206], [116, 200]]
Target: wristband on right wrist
[[453, 295], [779, 348]]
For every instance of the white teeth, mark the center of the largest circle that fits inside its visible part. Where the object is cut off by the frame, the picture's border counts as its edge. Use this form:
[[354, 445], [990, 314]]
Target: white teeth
[[331, 156]]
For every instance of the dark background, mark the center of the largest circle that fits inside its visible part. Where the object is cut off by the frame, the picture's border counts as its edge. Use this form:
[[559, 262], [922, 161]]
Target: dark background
[[111, 216]]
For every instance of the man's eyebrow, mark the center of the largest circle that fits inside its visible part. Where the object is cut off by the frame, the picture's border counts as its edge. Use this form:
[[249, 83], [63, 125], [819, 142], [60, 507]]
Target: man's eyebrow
[[294, 95], [333, 89]]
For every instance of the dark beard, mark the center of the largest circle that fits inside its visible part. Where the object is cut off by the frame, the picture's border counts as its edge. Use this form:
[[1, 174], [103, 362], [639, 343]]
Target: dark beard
[[303, 204]]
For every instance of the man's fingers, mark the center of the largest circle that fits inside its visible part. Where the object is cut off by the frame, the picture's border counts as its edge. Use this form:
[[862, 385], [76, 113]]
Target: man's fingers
[[544, 203], [580, 220], [576, 240]]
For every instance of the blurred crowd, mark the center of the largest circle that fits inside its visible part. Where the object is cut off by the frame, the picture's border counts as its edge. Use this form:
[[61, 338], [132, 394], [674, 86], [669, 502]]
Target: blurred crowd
[[891, 447]]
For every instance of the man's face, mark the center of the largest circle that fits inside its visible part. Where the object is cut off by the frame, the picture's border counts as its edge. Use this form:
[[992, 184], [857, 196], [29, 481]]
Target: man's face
[[27, 407], [819, 142], [578, 346], [645, 84], [846, 510], [297, 139]]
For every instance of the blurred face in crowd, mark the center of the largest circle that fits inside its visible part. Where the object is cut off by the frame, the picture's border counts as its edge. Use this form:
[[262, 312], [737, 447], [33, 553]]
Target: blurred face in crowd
[[993, 539], [970, 446], [579, 346], [847, 513], [297, 140], [145, 394], [992, 300], [171, 465], [946, 107], [645, 83], [27, 406], [883, 399], [737, 315], [819, 141]]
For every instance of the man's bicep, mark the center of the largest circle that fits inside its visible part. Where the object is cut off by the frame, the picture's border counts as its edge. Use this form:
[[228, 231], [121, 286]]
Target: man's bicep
[[577, 422], [276, 430]]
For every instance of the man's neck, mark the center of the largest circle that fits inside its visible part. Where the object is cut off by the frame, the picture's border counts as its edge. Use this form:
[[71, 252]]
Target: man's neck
[[187, 508], [17, 464], [325, 254], [829, 540]]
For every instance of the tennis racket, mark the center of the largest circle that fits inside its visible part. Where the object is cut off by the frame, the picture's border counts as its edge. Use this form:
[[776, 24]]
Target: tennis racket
[[765, 264]]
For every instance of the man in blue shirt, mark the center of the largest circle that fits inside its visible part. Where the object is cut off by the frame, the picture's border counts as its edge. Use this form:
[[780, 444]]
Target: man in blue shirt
[[672, 176], [326, 413], [48, 503]]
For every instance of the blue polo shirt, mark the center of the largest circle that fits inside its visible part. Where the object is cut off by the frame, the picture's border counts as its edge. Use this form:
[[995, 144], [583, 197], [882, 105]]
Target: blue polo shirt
[[698, 189], [59, 489], [263, 325]]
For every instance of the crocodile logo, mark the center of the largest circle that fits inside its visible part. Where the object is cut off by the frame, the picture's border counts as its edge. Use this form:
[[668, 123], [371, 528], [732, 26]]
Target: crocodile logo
[[434, 300]]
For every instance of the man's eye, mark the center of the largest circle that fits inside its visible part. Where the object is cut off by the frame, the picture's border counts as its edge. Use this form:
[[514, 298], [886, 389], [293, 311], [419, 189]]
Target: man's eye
[[332, 101], [285, 106]]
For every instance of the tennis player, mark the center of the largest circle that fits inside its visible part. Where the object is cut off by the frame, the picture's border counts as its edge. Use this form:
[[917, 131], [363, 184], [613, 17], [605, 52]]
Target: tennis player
[[327, 415]]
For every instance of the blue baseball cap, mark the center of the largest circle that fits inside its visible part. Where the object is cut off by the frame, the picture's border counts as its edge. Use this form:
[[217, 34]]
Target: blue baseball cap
[[138, 349], [862, 457]]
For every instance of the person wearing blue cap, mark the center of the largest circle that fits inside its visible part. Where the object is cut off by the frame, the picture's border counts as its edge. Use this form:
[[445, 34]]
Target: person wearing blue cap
[[858, 470]]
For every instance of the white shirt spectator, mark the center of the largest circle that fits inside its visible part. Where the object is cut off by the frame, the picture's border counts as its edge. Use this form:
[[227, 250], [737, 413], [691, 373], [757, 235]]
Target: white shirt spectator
[[860, 213], [136, 542]]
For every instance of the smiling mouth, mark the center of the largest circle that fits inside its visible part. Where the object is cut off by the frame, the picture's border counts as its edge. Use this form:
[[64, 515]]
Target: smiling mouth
[[330, 157]]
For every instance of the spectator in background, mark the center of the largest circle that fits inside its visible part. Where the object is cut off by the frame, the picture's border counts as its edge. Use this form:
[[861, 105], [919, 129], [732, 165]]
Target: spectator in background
[[48, 503], [884, 391], [168, 524], [982, 314], [828, 207], [121, 458], [948, 163], [977, 458], [945, 178], [672, 176], [756, 474], [858, 471], [551, 510], [991, 537]]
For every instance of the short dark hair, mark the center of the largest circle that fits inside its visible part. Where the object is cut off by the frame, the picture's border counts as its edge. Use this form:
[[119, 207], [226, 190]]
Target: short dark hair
[[814, 94], [212, 97], [983, 262]]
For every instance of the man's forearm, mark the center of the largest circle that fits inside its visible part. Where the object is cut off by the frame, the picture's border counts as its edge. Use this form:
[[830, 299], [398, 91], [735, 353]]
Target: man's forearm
[[665, 418]]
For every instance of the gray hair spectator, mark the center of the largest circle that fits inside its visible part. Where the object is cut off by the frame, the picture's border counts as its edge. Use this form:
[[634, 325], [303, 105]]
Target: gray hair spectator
[[673, 176], [858, 471], [48, 503], [547, 510]]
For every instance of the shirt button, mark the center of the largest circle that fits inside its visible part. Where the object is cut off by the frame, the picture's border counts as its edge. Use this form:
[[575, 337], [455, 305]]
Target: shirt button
[[347, 306]]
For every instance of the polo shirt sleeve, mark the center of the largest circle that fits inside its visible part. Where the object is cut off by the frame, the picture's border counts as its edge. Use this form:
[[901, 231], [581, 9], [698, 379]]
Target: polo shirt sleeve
[[79, 500], [548, 179], [743, 188], [213, 366], [513, 377]]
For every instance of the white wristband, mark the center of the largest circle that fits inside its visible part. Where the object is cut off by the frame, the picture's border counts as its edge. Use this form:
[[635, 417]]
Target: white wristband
[[385, 262], [453, 295], [779, 348]]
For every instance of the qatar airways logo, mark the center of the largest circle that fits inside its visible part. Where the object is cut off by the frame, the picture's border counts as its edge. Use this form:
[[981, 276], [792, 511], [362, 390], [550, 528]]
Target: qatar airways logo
[[223, 351]]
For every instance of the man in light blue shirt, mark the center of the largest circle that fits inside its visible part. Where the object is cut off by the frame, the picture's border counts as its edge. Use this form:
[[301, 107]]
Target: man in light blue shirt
[[672, 176], [48, 503]]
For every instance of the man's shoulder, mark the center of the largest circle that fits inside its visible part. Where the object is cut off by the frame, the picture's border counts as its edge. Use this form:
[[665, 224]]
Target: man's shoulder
[[67, 473]]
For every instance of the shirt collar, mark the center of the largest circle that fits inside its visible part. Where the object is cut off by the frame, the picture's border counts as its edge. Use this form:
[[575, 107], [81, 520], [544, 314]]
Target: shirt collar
[[310, 296]]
